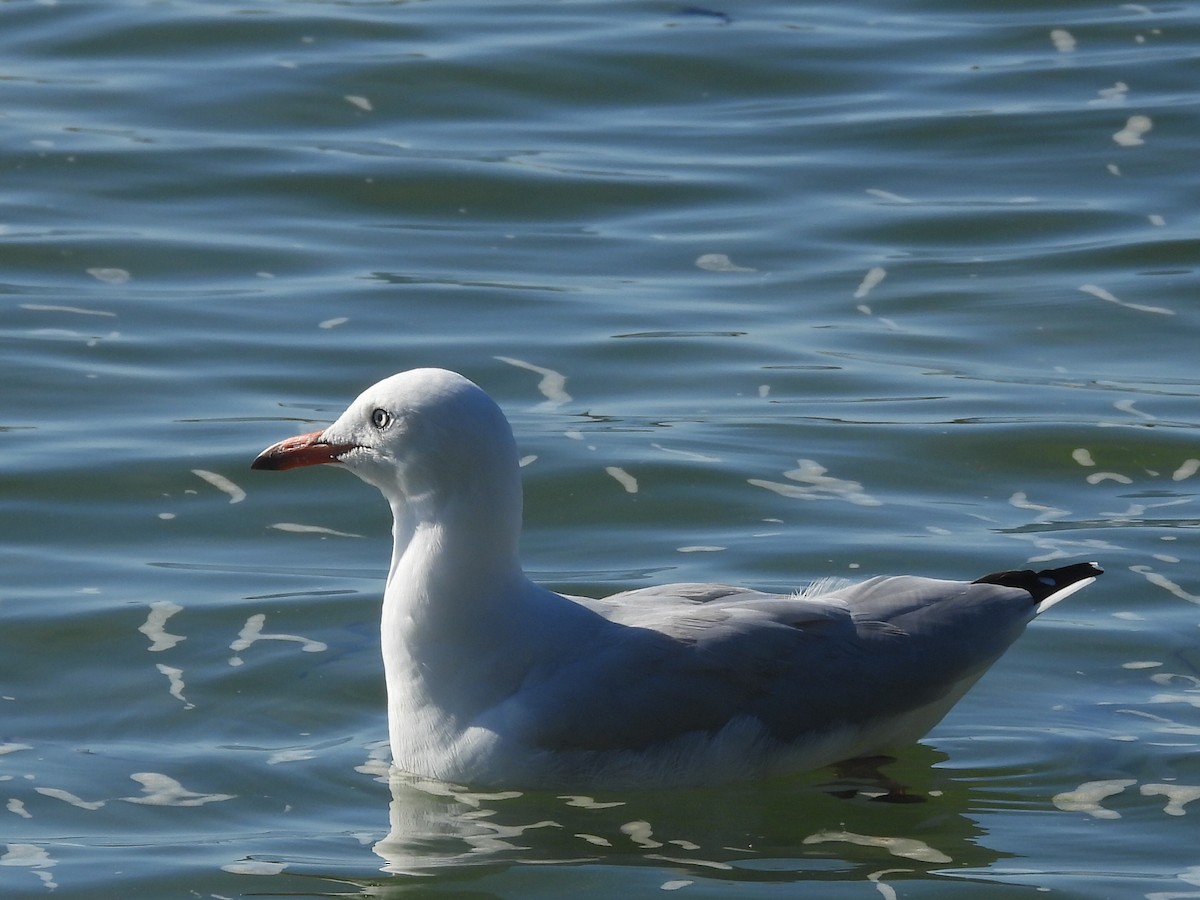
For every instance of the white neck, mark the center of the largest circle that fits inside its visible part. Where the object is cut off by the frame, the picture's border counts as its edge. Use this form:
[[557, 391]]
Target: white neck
[[465, 557], [455, 587]]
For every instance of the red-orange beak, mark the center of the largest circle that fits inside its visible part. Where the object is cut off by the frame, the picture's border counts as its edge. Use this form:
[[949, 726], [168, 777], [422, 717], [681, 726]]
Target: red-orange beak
[[301, 450]]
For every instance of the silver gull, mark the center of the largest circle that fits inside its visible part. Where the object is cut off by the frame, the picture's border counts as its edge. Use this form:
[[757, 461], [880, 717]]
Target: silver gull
[[493, 680]]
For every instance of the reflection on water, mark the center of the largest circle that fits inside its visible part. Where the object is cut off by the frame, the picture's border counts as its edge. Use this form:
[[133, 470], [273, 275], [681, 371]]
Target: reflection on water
[[798, 829]]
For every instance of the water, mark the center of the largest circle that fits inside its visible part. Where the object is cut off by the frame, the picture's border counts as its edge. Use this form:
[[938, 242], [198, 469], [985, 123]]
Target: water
[[944, 253]]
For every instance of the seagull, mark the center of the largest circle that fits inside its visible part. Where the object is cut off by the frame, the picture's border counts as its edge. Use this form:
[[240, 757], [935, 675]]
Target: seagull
[[494, 681]]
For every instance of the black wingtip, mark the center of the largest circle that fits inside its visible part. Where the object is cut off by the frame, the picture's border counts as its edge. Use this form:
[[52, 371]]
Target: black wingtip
[[1044, 583]]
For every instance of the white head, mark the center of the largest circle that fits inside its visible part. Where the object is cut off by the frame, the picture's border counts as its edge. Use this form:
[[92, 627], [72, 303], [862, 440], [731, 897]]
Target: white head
[[432, 441]]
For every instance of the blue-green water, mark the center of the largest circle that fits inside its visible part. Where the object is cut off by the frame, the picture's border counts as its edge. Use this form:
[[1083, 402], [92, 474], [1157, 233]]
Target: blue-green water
[[944, 253]]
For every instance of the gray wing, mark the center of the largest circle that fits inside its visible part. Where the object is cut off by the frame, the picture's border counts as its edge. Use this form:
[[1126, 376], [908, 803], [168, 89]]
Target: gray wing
[[684, 658]]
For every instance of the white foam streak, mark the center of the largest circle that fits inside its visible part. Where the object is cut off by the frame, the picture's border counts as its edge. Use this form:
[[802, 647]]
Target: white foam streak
[[583, 801], [1063, 40], [33, 857], [873, 277], [1113, 95], [155, 626], [17, 808], [162, 790], [719, 262], [905, 848], [687, 454], [297, 528], [175, 684], [1045, 513], [812, 483], [1131, 134], [253, 867], [1088, 796], [1187, 469], [77, 310], [1102, 294], [285, 756], [1097, 477], [1178, 796], [623, 478], [221, 483], [1162, 581], [68, 797], [252, 632], [552, 386], [110, 275]]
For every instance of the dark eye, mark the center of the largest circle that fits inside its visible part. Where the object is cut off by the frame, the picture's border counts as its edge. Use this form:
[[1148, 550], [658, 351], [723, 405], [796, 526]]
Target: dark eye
[[381, 418]]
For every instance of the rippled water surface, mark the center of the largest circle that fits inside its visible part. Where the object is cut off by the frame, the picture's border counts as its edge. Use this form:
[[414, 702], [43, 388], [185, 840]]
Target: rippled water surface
[[770, 291]]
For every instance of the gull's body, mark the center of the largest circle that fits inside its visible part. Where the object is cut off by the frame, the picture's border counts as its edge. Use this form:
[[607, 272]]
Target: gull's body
[[495, 681]]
